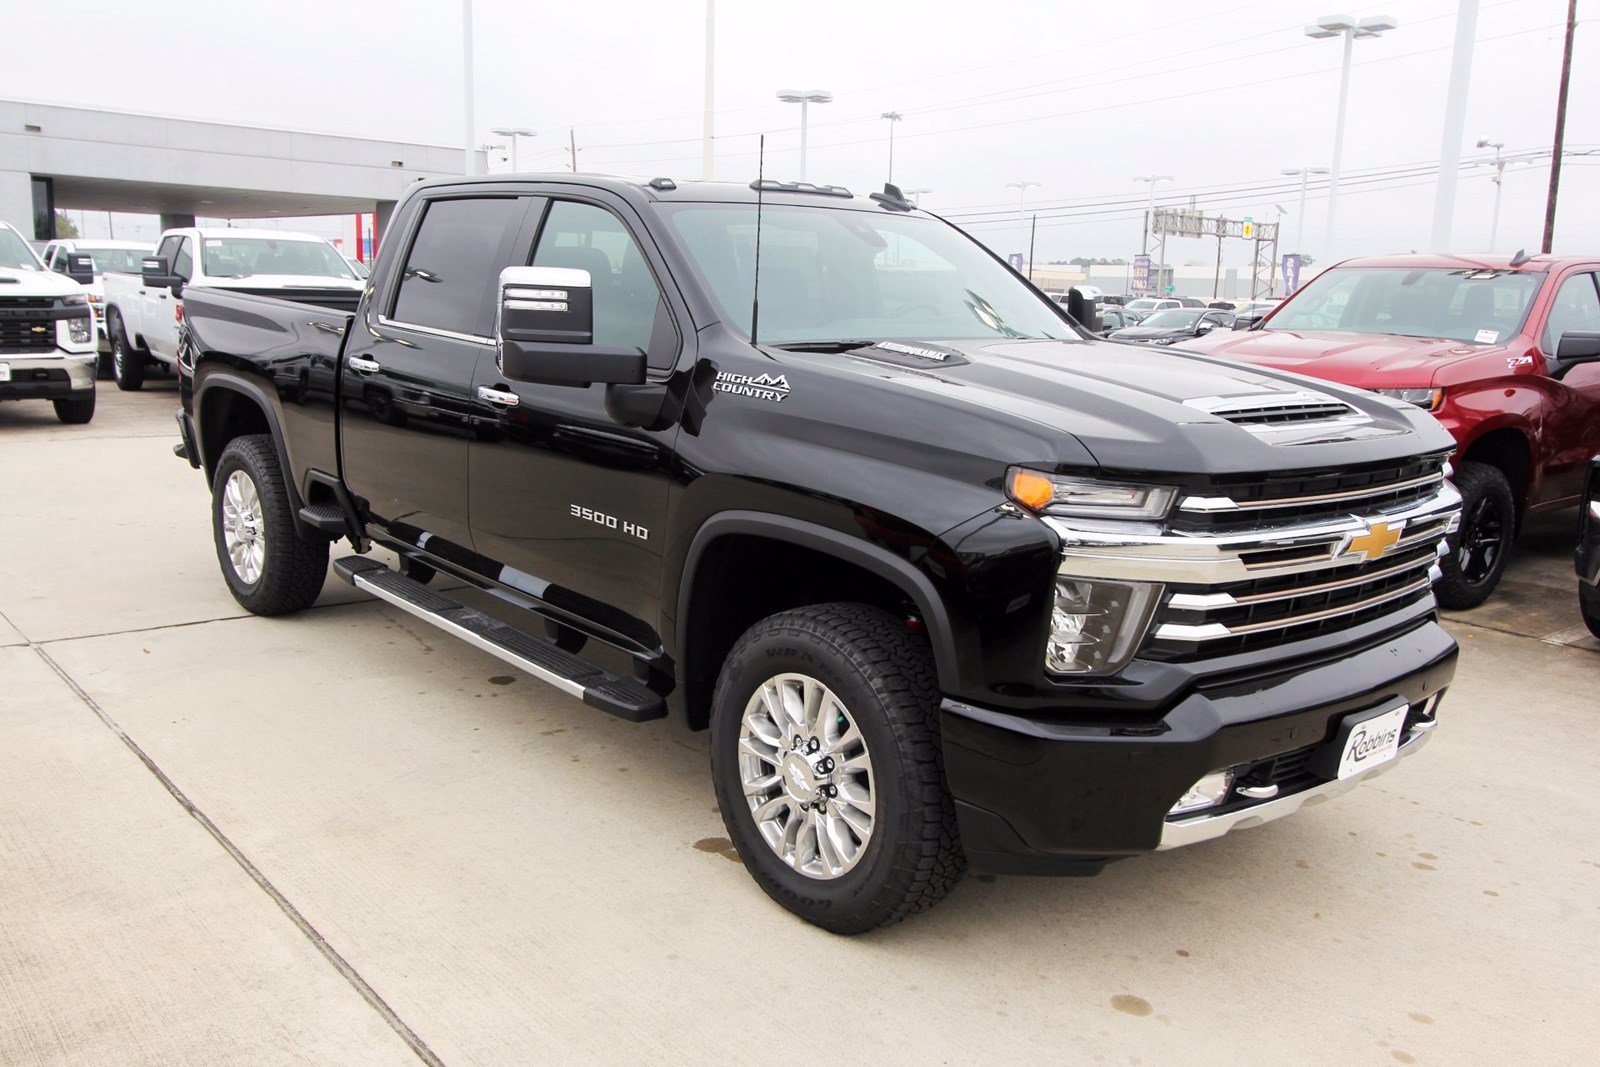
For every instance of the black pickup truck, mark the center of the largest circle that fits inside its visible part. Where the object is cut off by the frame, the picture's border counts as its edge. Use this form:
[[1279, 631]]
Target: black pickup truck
[[950, 581]]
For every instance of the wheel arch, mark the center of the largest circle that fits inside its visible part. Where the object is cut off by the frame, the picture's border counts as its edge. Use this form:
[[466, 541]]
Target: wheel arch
[[708, 624], [1508, 448], [227, 406]]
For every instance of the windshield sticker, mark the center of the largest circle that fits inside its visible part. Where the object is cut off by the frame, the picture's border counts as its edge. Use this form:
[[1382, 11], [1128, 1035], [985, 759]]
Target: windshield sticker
[[213, 242], [773, 387], [1487, 337]]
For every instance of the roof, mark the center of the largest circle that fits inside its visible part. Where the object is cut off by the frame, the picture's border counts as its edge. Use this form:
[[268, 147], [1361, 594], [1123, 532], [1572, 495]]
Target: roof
[[671, 190], [262, 235], [1466, 261], [102, 242]]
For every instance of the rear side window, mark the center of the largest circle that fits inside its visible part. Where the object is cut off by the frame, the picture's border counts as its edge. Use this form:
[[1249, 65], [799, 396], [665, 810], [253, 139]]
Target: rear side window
[[453, 268]]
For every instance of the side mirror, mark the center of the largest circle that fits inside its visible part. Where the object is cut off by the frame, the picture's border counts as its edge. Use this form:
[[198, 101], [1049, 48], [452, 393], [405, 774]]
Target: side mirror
[[157, 274], [1575, 347], [1204, 326], [80, 268], [544, 331]]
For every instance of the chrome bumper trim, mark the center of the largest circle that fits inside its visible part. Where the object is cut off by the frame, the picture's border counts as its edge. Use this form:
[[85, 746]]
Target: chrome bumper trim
[[1178, 833]]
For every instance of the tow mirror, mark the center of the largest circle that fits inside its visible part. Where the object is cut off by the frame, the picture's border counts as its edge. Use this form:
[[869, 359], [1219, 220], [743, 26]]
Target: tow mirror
[[157, 274], [80, 267], [544, 331], [1575, 347]]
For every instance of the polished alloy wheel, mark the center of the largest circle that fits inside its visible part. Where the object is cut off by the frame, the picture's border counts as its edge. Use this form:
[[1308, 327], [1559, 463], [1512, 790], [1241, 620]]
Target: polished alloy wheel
[[243, 528], [1482, 537], [116, 356], [807, 775]]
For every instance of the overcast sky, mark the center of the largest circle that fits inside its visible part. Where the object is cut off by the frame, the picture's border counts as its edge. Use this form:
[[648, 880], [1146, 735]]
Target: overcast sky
[[1078, 96]]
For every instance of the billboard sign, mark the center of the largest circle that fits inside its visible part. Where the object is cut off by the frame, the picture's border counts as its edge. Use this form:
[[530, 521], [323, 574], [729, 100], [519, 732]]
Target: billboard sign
[[1291, 273], [1141, 274]]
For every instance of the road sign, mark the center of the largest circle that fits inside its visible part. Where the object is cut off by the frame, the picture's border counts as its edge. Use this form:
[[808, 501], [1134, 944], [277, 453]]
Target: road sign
[[1141, 274], [1249, 226]]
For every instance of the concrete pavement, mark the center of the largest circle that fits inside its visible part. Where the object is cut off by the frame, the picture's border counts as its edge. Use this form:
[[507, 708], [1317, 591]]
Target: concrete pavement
[[344, 838]]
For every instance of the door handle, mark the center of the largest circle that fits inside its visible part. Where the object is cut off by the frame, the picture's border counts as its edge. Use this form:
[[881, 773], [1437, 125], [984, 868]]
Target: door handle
[[365, 366], [498, 396]]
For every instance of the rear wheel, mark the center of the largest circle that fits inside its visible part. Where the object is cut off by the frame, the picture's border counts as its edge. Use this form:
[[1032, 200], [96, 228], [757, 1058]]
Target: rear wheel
[[75, 411], [269, 567], [1478, 551], [826, 761], [127, 363]]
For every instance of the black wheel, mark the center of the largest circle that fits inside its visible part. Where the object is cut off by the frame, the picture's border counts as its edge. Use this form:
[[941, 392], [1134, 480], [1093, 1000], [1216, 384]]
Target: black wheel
[[127, 362], [269, 567], [827, 767], [1589, 608], [105, 370], [1478, 551], [75, 411]]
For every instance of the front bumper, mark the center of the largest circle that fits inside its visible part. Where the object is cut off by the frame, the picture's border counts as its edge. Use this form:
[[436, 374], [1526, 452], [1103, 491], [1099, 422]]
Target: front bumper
[[52, 377], [1037, 796]]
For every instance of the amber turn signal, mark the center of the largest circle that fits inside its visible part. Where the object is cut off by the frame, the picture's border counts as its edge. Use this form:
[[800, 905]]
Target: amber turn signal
[[1032, 491]]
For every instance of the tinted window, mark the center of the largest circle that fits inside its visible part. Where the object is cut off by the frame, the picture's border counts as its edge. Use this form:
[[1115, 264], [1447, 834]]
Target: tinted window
[[628, 309], [183, 262], [454, 265], [168, 249], [1577, 307]]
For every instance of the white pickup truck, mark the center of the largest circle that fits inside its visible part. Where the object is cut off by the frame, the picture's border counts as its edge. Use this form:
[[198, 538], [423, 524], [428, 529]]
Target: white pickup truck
[[46, 332], [143, 310]]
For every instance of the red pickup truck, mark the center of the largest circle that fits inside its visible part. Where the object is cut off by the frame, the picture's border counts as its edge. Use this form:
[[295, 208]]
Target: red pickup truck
[[1504, 352]]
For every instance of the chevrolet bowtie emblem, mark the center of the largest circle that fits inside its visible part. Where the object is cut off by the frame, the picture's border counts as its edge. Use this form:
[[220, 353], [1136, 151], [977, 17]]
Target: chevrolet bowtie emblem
[[1379, 539], [41, 329]]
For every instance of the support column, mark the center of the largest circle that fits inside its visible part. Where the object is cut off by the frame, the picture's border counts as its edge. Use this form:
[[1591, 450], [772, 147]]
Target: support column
[[175, 222], [16, 200]]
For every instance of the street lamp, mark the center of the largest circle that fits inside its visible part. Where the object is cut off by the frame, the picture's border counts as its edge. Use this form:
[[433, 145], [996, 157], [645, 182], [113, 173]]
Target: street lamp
[[1150, 218], [893, 117], [1304, 174], [513, 132], [805, 98], [1022, 188], [1349, 29], [1499, 166], [916, 195]]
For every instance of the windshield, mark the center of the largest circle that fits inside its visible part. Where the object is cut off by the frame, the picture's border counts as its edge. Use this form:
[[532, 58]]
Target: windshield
[[1146, 304], [125, 260], [240, 257], [1171, 319], [15, 253], [1477, 306], [830, 275]]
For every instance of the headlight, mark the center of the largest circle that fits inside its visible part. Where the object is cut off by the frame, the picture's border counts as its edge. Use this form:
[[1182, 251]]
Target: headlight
[[95, 298], [1096, 626], [1054, 494], [74, 300], [80, 331], [1426, 399]]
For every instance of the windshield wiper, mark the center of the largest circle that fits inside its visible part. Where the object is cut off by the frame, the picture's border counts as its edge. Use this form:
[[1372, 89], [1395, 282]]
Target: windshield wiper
[[822, 346]]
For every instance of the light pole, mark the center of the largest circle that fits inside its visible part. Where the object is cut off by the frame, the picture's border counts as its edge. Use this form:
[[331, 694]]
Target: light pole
[[513, 132], [469, 163], [708, 119], [1455, 124], [893, 117], [1304, 174], [916, 195], [1343, 26], [1499, 166], [1149, 221], [805, 98], [1022, 188]]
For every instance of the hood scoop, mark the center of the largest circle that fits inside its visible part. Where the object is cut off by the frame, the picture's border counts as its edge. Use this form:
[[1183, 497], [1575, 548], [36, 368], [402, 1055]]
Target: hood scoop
[[1278, 413]]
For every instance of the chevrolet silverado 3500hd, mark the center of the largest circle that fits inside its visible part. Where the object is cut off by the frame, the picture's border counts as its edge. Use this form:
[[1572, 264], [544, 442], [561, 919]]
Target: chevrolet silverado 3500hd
[[949, 581]]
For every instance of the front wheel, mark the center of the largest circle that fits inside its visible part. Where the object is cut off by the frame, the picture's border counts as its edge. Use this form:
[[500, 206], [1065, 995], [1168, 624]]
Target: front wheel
[[75, 411], [1479, 549], [827, 767], [269, 567]]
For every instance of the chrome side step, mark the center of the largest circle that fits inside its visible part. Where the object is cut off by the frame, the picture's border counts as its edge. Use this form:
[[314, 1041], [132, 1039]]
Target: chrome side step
[[622, 697]]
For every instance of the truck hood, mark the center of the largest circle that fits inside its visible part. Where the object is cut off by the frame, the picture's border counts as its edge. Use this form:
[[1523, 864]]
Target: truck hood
[[1360, 359], [1130, 408], [35, 283]]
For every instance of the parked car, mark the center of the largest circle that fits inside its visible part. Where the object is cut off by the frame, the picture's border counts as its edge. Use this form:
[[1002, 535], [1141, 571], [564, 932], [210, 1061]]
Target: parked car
[[1588, 555], [1503, 351], [143, 310], [46, 331], [107, 254], [1148, 304], [1175, 326], [1250, 312], [1113, 318], [948, 581]]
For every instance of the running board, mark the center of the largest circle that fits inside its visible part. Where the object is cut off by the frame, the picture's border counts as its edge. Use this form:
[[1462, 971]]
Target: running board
[[622, 697]]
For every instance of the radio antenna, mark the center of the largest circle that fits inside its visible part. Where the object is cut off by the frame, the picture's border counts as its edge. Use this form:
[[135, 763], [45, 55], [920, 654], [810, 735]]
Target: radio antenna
[[761, 184]]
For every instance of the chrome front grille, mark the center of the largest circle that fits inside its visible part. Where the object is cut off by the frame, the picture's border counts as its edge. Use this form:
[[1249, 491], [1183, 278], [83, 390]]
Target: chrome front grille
[[1237, 588], [1307, 495]]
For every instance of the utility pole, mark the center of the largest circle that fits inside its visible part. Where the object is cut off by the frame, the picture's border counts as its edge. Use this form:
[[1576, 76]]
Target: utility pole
[[707, 160], [1561, 131], [572, 147], [893, 117], [469, 162], [1033, 231], [1455, 123], [1499, 166]]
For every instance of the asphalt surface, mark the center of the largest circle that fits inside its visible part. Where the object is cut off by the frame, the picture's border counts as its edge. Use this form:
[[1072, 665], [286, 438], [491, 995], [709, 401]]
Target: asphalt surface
[[343, 838]]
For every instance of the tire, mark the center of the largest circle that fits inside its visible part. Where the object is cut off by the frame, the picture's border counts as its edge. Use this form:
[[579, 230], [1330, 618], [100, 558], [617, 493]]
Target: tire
[[1589, 609], [277, 571], [882, 677], [127, 362], [75, 412], [105, 370], [1478, 551]]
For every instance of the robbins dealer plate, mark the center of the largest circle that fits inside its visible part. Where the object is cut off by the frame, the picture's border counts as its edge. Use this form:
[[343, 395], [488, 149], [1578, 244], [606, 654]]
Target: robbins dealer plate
[[1365, 740]]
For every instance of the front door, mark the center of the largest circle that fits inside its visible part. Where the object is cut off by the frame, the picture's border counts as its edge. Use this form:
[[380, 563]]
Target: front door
[[406, 398], [156, 304], [567, 505], [1572, 425]]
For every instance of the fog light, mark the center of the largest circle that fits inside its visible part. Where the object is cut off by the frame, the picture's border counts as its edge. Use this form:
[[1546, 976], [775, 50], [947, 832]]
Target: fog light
[[1208, 792], [1095, 627], [80, 331]]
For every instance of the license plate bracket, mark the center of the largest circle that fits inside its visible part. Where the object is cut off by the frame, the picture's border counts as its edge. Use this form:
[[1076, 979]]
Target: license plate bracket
[[1364, 739]]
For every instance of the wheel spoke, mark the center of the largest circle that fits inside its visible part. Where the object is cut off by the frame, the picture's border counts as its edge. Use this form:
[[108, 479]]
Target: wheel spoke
[[755, 787]]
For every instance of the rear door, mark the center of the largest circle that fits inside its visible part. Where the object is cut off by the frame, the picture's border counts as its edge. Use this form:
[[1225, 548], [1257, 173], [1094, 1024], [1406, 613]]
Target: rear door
[[155, 304], [1572, 424], [407, 412], [568, 505], [161, 333]]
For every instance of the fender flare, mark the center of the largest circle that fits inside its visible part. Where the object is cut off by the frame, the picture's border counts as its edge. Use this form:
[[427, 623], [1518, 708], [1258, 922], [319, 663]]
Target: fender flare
[[237, 383], [854, 550]]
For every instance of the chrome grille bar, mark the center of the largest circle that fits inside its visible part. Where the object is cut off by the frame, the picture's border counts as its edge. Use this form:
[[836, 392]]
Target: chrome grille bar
[[1213, 601], [1210, 631], [1225, 503]]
